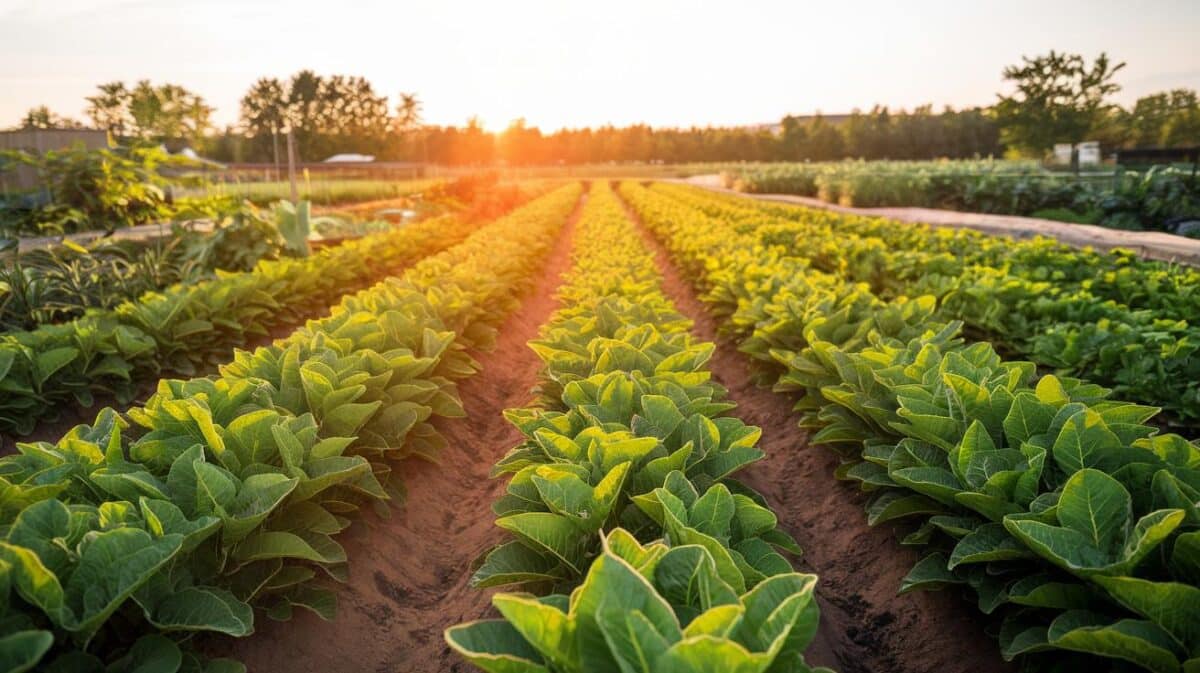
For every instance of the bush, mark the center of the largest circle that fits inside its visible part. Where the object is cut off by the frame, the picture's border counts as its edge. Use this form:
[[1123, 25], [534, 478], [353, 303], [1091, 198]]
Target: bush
[[86, 189]]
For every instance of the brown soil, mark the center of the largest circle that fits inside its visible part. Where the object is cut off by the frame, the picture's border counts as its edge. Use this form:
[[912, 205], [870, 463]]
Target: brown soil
[[409, 573], [865, 626]]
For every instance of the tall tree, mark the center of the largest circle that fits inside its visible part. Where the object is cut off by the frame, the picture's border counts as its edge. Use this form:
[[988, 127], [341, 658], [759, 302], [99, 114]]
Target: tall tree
[[1059, 98], [408, 112], [167, 113], [407, 127], [825, 142], [520, 144], [304, 110], [109, 108], [1165, 119], [263, 116]]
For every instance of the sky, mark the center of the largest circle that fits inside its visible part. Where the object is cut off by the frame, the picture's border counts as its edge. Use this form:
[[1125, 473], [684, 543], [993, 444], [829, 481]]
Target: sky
[[559, 63]]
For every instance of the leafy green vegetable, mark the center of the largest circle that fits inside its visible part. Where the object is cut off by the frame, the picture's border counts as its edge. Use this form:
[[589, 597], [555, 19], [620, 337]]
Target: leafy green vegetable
[[226, 494], [1064, 511]]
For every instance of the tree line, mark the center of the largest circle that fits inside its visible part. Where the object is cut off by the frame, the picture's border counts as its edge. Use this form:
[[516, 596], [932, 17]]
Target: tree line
[[1055, 98]]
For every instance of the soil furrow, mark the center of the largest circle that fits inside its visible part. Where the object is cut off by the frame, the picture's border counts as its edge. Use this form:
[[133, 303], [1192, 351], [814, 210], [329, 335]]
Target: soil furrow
[[865, 626], [409, 573]]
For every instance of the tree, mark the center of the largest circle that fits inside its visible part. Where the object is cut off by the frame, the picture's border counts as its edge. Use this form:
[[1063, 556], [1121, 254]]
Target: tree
[[42, 117], [520, 144], [793, 137], [408, 112], [825, 142], [263, 115], [326, 115], [169, 113], [407, 123], [1165, 119], [109, 109], [264, 107], [166, 113], [1059, 98], [1183, 127]]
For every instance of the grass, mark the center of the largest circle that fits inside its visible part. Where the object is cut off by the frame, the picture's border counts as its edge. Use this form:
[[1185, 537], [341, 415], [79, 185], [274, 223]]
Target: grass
[[320, 192]]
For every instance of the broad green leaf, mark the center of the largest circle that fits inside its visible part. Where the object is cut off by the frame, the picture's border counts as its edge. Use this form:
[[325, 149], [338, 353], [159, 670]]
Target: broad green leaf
[[266, 544], [550, 534], [495, 646], [1173, 606], [22, 650], [51, 361], [1136, 641], [112, 565], [989, 542], [202, 609], [515, 563], [1086, 442], [631, 637], [930, 573]]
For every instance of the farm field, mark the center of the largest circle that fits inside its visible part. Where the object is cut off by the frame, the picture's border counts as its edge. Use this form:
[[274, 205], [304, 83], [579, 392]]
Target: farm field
[[655, 407], [1162, 198], [317, 189], [535, 337]]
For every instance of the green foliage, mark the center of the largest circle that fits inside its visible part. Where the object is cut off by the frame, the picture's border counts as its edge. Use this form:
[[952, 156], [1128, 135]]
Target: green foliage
[[1166, 119], [164, 113], [60, 283], [1066, 513], [1154, 200], [629, 445], [226, 494], [317, 190], [647, 609], [1059, 98], [1109, 317], [295, 223], [91, 189], [191, 328]]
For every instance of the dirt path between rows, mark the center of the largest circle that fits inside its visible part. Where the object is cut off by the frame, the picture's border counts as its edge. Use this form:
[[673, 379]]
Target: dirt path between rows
[[865, 626], [408, 573]]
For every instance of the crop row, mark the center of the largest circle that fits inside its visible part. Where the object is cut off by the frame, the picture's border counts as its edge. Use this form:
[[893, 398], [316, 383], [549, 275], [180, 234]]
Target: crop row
[[621, 496], [1067, 514], [1157, 199], [1115, 320], [189, 328], [224, 494]]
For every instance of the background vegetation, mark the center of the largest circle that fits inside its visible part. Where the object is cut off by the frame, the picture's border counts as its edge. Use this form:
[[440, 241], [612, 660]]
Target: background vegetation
[[1054, 98]]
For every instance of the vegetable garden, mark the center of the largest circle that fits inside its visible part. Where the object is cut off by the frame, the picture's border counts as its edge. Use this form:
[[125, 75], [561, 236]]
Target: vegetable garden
[[1163, 198], [633, 427]]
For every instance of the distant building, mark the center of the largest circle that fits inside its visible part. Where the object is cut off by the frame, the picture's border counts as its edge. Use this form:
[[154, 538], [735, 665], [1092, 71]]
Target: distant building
[[40, 141], [349, 159]]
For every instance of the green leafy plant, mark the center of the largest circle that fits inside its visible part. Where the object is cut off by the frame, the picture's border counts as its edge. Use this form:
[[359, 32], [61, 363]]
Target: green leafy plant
[[88, 189], [224, 495], [629, 445], [648, 609], [189, 328], [1065, 512], [1153, 200]]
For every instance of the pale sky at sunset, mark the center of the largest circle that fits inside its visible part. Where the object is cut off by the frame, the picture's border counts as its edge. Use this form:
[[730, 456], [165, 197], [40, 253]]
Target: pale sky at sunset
[[560, 63]]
